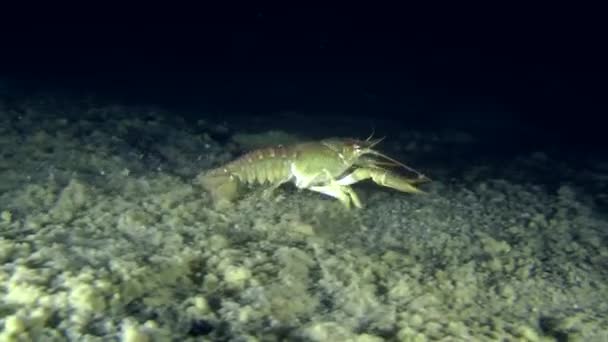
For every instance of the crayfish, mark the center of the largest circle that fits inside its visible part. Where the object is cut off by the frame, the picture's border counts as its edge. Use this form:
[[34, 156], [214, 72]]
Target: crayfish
[[327, 166]]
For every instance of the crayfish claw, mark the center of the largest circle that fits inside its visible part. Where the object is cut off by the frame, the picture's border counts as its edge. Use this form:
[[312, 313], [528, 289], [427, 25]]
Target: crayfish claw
[[397, 182]]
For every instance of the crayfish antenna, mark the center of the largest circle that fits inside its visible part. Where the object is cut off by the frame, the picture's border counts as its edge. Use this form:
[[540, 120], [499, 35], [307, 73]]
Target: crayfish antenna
[[371, 135], [374, 142]]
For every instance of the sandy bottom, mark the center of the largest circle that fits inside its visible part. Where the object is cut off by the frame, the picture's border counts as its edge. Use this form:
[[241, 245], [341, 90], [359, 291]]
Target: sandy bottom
[[105, 235]]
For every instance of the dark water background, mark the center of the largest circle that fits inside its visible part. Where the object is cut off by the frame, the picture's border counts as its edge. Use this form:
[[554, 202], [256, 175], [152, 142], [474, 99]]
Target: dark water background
[[519, 80]]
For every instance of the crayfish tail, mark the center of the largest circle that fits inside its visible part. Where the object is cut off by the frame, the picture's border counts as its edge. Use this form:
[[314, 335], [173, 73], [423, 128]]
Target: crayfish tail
[[222, 187]]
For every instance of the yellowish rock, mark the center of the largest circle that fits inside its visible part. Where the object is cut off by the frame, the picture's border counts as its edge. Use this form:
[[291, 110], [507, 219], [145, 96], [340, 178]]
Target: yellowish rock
[[14, 325], [236, 276]]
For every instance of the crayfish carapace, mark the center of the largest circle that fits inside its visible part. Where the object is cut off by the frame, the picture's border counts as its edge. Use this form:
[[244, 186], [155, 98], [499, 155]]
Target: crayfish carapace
[[328, 166]]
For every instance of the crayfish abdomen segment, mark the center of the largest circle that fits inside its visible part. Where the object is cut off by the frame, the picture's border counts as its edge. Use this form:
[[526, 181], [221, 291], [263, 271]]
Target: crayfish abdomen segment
[[269, 165], [260, 167]]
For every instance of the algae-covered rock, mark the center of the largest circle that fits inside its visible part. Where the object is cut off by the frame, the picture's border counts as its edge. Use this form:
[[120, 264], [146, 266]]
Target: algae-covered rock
[[236, 276], [104, 237], [71, 199]]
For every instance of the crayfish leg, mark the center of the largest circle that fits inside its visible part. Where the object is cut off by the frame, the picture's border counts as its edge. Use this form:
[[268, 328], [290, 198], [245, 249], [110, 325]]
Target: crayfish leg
[[344, 194], [269, 191]]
